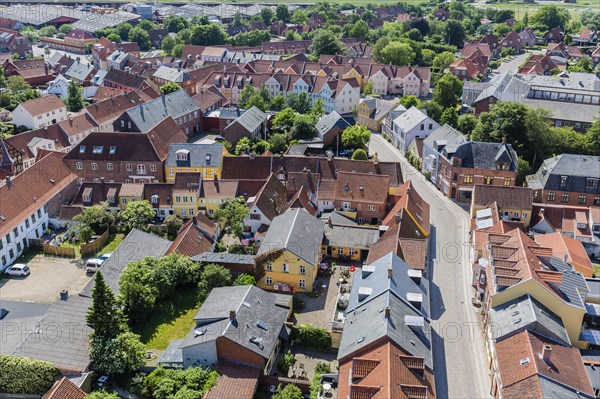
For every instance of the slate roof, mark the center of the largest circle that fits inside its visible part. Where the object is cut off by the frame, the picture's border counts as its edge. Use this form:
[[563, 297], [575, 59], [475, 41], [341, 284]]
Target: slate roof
[[68, 351], [350, 237], [137, 245], [224, 257], [79, 70], [444, 136], [199, 155], [251, 119], [23, 314], [410, 118], [526, 313], [483, 155], [171, 74], [329, 122], [296, 231], [147, 115], [252, 306], [379, 108], [507, 197], [570, 165]]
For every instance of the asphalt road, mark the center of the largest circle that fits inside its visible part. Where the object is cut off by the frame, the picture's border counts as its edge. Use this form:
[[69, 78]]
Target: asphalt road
[[460, 359]]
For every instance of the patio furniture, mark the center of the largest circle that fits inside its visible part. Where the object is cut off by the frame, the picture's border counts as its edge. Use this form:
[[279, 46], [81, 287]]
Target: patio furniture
[[327, 387]]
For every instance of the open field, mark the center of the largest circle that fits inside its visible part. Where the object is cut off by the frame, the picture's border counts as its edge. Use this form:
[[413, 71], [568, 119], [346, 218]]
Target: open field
[[521, 8]]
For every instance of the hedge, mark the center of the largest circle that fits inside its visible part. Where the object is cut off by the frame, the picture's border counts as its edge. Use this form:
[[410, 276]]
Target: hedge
[[28, 376], [311, 337]]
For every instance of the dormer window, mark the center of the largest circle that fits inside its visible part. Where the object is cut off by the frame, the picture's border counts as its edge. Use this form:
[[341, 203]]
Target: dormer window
[[563, 181], [97, 149], [182, 155], [207, 159], [154, 199]]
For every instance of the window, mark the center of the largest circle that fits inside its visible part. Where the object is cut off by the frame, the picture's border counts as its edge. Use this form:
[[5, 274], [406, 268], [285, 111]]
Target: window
[[507, 181], [171, 172], [371, 207], [254, 216], [27, 223], [591, 184], [19, 247], [551, 197], [524, 215], [285, 268], [597, 201], [351, 251], [302, 283], [564, 198], [112, 150], [582, 199], [340, 251], [11, 253], [81, 149], [16, 232], [563, 181], [109, 167], [141, 169], [269, 281], [302, 270], [269, 267], [128, 167], [488, 180], [78, 165], [152, 168], [123, 200], [39, 212], [183, 212], [468, 178], [191, 212], [97, 149], [154, 199], [94, 166]]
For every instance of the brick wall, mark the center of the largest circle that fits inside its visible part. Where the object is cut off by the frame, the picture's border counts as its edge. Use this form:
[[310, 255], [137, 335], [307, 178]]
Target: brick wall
[[229, 350]]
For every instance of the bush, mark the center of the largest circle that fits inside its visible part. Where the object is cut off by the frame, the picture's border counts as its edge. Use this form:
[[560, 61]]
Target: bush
[[311, 337], [297, 303], [360, 155], [286, 361], [28, 376], [322, 368], [245, 279], [170, 383]]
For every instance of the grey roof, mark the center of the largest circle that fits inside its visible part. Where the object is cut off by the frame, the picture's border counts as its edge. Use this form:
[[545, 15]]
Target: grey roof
[[149, 114], [25, 315], [337, 219], [173, 353], [350, 237], [367, 323], [79, 70], [379, 106], [553, 389], [483, 155], [410, 118], [257, 325], [594, 286], [329, 122], [118, 56], [573, 285], [171, 74], [444, 136], [68, 350], [566, 111], [137, 245], [200, 155], [224, 257], [252, 119], [373, 280], [526, 313], [297, 231]]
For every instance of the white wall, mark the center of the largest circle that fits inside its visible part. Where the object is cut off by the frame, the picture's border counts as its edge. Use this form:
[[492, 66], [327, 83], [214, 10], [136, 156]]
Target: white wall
[[16, 242]]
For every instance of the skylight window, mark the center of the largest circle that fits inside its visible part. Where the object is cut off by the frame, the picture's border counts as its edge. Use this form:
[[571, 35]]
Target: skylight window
[[97, 149], [112, 149], [81, 149]]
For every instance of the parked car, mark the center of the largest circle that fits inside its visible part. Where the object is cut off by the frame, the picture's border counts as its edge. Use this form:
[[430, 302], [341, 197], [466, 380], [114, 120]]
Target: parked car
[[219, 139], [18, 269], [92, 265], [105, 257]]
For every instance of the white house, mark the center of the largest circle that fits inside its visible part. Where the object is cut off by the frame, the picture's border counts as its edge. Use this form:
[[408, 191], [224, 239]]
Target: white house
[[341, 95], [411, 124], [39, 112], [444, 137], [269, 202], [59, 86]]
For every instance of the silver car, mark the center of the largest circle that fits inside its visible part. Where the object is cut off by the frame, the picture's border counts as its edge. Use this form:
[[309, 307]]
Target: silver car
[[18, 269]]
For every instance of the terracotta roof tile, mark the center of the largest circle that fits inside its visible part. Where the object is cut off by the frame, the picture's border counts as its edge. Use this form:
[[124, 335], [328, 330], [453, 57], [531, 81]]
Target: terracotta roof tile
[[236, 381], [41, 105], [195, 237], [64, 389], [78, 124], [361, 187]]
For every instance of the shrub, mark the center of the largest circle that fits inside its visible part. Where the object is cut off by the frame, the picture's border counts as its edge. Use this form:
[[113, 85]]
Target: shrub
[[168, 383], [28, 376], [286, 361], [322, 368], [360, 155], [297, 303], [311, 337], [245, 279]]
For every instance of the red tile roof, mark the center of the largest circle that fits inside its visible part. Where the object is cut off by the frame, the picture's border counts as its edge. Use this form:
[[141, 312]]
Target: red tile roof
[[42, 105], [361, 187], [569, 250], [195, 237], [64, 389], [236, 381]]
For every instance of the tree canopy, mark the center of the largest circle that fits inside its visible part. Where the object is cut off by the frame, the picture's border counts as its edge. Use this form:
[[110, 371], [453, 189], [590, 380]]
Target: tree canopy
[[355, 136], [231, 214], [137, 215]]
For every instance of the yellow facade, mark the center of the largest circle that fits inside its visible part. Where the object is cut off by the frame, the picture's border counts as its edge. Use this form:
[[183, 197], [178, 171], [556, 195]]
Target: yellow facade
[[207, 172], [341, 252], [125, 200], [511, 212], [210, 205], [185, 205], [353, 74], [571, 316], [299, 272]]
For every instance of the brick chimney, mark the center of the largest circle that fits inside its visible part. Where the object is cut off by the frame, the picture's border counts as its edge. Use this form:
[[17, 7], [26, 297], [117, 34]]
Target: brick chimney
[[546, 353], [232, 315], [388, 312]]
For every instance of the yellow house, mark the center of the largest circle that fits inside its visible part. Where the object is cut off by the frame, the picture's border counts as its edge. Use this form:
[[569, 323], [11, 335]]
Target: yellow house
[[214, 192], [186, 191], [345, 239], [201, 158], [514, 203], [130, 192], [372, 112], [289, 254]]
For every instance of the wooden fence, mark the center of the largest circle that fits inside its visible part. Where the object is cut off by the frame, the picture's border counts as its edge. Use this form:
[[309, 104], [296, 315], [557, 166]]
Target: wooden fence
[[268, 380], [91, 247], [67, 252]]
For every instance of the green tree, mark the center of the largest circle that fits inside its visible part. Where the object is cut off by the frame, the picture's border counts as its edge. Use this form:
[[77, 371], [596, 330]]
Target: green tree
[[325, 42], [175, 23], [237, 19], [450, 117], [466, 123], [594, 137], [282, 13], [565, 140], [318, 109], [74, 97], [299, 17], [98, 217], [409, 101], [523, 169], [505, 119], [434, 110], [448, 90], [243, 145], [550, 16], [414, 34], [231, 214], [48, 31], [454, 32], [142, 37], [360, 155], [2, 78], [16, 83], [278, 103], [169, 87], [266, 15], [114, 37], [279, 142], [583, 64], [173, 224], [304, 127], [122, 354], [103, 394], [168, 44], [538, 135], [212, 276], [299, 102], [442, 61], [284, 120], [123, 30], [104, 317], [360, 29], [290, 391], [65, 29], [355, 136], [21, 375], [207, 35], [137, 215], [397, 53], [245, 279], [137, 291], [85, 234]]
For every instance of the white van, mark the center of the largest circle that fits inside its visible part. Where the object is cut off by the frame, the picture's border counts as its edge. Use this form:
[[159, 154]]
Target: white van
[[92, 265]]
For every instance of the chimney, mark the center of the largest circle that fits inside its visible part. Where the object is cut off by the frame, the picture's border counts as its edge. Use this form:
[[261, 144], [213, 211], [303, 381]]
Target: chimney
[[504, 140], [546, 353], [232, 314], [388, 312], [390, 271], [195, 223]]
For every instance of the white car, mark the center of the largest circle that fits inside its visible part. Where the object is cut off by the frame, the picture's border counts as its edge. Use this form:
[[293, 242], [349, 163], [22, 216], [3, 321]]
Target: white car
[[18, 269], [92, 265]]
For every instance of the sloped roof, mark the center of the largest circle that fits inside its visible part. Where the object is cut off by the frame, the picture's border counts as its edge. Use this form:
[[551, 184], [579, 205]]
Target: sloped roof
[[272, 198], [64, 389], [251, 119], [507, 197], [42, 105], [330, 121], [147, 115], [195, 237]]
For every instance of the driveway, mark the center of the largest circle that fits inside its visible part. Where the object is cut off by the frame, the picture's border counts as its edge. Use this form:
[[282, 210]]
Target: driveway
[[459, 353], [49, 276]]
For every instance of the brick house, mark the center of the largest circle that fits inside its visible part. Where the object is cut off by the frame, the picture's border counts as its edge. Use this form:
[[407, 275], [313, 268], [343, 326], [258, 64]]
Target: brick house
[[362, 195], [12, 41]]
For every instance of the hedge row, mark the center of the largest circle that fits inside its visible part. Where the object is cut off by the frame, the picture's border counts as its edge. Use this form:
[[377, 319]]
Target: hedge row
[[28, 376]]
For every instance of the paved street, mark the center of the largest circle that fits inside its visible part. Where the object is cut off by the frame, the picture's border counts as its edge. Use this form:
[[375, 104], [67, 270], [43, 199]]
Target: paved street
[[460, 362]]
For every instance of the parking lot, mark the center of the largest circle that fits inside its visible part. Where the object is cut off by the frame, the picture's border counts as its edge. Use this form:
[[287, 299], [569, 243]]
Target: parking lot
[[49, 276]]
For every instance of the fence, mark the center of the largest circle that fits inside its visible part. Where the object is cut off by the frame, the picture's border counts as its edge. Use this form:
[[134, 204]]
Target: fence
[[275, 380], [91, 247], [67, 252]]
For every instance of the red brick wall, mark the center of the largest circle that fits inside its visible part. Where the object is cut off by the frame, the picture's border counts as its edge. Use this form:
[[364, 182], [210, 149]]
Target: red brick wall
[[541, 196], [65, 195], [229, 350], [119, 172], [364, 211]]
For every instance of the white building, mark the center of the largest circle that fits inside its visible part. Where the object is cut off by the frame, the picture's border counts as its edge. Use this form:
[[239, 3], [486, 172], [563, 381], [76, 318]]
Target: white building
[[411, 124], [39, 112], [59, 86]]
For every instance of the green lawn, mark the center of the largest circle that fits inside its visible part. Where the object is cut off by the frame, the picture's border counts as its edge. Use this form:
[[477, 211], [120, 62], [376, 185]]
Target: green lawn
[[113, 242], [172, 319], [596, 269], [521, 8]]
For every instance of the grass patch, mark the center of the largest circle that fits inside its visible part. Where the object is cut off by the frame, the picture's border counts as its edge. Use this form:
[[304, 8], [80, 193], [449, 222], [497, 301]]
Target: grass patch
[[171, 319], [113, 242], [596, 269], [69, 243]]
